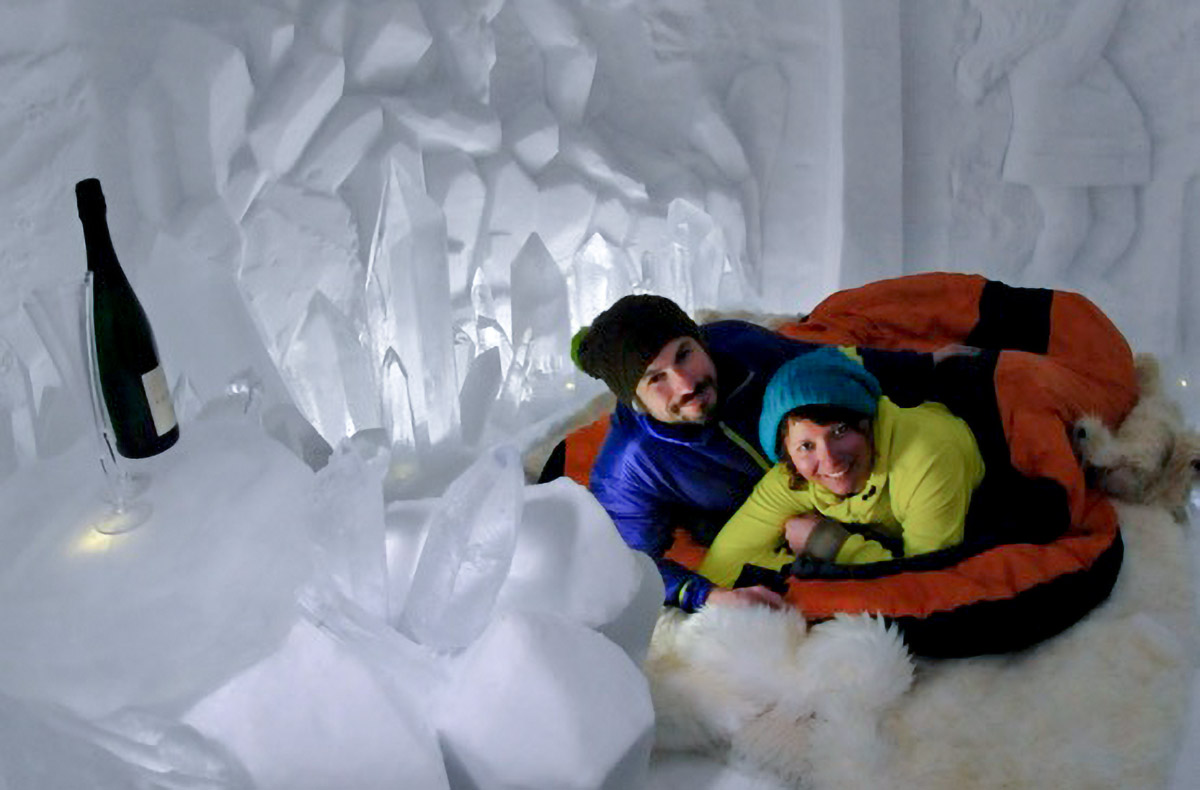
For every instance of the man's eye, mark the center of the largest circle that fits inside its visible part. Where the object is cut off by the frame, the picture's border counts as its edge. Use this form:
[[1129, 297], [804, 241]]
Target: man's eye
[[840, 429], [683, 354]]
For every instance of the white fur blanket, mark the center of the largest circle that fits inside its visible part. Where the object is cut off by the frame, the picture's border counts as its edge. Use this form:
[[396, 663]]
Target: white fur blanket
[[747, 699]]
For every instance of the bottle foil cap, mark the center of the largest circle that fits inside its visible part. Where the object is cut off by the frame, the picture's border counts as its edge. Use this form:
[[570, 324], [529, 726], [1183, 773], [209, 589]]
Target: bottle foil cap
[[88, 197]]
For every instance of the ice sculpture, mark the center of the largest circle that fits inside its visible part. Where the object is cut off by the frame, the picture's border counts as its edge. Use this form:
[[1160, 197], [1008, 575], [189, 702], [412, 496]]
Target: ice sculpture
[[541, 311], [347, 728], [1078, 138], [330, 372], [18, 414], [408, 303], [159, 615], [348, 526], [504, 729], [468, 549]]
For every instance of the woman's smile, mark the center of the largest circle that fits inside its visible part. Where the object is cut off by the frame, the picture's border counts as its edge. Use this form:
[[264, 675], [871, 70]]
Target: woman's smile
[[838, 457]]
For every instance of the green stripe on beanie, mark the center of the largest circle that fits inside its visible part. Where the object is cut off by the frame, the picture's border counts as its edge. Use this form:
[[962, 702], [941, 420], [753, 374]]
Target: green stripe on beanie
[[576, 342]]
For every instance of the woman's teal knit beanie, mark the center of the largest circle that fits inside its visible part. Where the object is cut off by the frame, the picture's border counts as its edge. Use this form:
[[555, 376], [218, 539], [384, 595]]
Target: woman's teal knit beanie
[[824, 377]]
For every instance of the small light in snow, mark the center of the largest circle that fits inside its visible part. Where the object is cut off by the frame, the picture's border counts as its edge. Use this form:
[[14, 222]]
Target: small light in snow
[[1183, 382], [93, 541], [571, 386]]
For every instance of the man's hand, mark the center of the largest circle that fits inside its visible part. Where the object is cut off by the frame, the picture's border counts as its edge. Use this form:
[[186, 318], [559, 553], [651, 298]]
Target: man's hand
[[746, 596], [798, 529]]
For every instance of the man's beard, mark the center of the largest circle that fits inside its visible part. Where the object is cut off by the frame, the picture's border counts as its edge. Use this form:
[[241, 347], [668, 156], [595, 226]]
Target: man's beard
[[702, 389]]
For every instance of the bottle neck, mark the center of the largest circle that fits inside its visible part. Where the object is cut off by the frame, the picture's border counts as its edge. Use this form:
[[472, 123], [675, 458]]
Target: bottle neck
[[101, 256]]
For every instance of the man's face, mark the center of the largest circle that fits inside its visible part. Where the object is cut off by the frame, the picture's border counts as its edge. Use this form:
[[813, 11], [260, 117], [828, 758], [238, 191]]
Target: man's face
[[680, 384]]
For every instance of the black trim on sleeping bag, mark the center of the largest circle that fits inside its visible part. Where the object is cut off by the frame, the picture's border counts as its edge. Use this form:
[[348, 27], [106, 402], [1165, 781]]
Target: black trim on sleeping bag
[[556, 465], [1017, 622], [1013, 318], [1003, 625], [1007, 506]]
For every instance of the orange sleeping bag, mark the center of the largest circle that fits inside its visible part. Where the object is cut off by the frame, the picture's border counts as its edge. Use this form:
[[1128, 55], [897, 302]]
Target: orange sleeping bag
[[1053, 356]]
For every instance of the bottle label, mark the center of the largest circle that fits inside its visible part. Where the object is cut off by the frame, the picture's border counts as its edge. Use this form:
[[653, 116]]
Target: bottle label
[[158, 395]]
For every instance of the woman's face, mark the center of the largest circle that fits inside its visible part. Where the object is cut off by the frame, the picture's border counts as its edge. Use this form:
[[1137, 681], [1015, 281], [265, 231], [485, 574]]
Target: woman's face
[[838, 457]]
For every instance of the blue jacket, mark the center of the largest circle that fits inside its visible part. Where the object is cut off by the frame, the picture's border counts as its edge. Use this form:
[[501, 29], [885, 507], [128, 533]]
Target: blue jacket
[[652, 477]]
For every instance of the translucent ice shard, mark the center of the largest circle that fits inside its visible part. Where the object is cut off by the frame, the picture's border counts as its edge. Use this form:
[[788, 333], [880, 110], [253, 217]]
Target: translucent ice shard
[[698, 247], [297, 242], [478, 393], [541, 309], [467, 553], [490, 332], [348, 529], [46, 746], [365, 188], [612, 219], [184, 294], [600, 274], [509, 220], [329, 373], [454, 183], [408, 303], [663, 266], [17, 408], [397, 403]]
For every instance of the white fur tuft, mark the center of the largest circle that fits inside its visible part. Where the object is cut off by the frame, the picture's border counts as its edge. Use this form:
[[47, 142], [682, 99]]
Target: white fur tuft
[[802, 704], [1152, 458]]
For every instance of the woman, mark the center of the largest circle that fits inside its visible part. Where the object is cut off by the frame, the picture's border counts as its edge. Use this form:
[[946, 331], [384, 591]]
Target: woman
[[861, 480]]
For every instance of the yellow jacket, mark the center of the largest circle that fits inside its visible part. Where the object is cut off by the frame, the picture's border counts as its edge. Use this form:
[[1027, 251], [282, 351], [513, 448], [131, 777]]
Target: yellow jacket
[[927, 463]]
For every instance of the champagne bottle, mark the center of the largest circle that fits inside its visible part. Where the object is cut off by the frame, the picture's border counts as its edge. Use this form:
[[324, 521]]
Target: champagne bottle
[[132, 381]]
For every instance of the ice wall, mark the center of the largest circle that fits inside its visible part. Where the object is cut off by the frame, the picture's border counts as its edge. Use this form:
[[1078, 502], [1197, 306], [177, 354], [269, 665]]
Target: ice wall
[[382, 219], [376, 181], [363, 188], [1099, 90]]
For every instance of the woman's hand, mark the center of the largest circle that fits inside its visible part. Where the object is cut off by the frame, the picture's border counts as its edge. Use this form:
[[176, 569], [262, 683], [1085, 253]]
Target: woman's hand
[[798, 529], [746, 596]]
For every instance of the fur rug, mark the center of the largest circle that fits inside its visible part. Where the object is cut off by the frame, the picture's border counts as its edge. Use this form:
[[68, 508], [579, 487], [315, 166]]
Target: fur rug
[[1152, 458], [843, 706]]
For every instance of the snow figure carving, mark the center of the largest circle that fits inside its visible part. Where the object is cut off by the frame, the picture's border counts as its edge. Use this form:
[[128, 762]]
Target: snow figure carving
[[1078, 138]]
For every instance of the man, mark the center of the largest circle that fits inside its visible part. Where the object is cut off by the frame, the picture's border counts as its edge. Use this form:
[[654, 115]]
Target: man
[[682, 449]]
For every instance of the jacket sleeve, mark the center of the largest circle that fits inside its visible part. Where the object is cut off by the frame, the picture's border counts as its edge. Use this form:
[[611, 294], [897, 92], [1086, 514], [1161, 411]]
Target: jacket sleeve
[[648, 526], [754, 535]]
